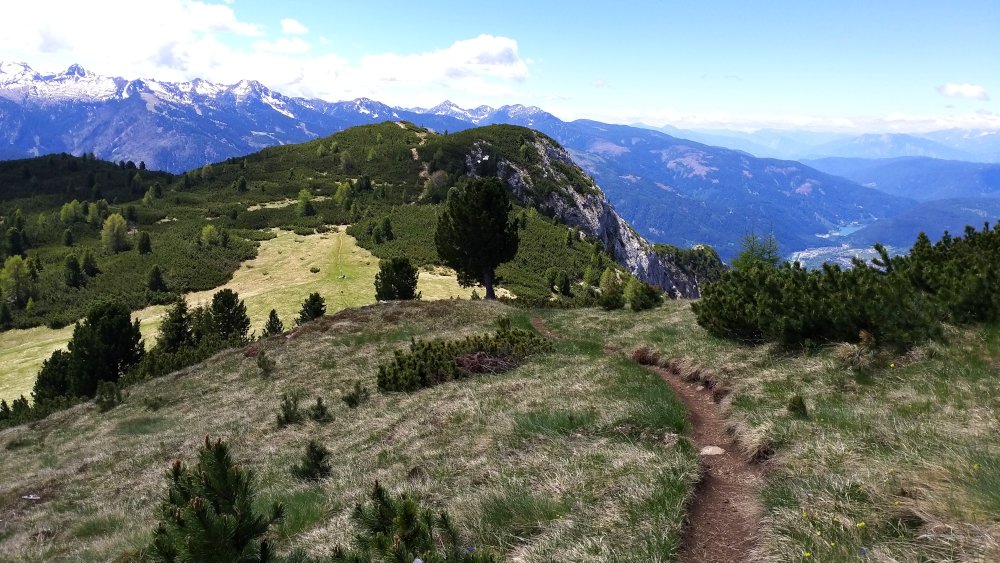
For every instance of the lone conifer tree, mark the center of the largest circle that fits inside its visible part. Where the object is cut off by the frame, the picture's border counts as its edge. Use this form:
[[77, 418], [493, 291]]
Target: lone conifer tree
[[396, 279], [313, 307], [155, 280], [475, 234], [273, 326]]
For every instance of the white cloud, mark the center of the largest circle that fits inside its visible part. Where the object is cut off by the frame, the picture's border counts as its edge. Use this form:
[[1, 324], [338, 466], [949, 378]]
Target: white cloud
[[283, 45], [972, 91], [601, 84], [293, 27], [200, 39]]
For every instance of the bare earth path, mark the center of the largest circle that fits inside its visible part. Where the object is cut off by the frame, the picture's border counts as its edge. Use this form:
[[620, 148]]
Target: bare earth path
[[723, 519], [724, 516]]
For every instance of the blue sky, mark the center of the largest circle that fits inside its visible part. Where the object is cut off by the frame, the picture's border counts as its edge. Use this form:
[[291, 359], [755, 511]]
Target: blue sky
[[872, 66]]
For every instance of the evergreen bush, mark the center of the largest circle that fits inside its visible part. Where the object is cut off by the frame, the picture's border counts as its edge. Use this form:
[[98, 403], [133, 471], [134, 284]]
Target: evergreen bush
[[319, 412], [430, 363], [208, 513], [108, 396], [356, 397], [399, 528], [313, 308], [315, 463], [290, 412]]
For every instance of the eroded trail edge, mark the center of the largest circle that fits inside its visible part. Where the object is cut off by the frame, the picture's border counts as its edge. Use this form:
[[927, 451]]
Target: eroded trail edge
[[724, 517]]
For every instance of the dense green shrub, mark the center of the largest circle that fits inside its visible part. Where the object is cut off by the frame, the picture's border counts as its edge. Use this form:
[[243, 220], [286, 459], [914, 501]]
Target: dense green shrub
[[274, 326], [108, 396], [315, 464], [319, 411], [265, 363], [612, 296], [398, 528], [208, 513], [313, 308], [229, 317], [358, 396], [430, 363], [104, 347], [899, 301], [396, 279], [289, 412], [640, 295]]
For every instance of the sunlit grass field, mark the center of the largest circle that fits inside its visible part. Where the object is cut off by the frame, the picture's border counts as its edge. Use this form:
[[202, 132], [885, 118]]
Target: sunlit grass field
[[279, 278]]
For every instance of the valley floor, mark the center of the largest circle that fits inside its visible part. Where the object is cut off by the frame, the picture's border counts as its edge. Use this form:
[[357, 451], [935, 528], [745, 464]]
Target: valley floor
[[579, 455], [279, 278]]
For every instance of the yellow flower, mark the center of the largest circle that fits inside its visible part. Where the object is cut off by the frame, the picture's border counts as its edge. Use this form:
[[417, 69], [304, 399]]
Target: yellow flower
[[806, 554], [975, 467], [861, 524], [892, 365]]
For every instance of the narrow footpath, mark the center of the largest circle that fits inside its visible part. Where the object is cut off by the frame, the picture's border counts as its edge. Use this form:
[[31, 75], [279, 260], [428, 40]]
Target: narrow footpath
[[725, 515]]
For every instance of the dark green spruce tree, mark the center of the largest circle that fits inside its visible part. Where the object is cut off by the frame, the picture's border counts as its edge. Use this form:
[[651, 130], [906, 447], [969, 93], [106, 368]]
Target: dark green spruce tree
[[105, 346], [313, 307], [273, 327], [230, 316], [475, 233], [396, 279]]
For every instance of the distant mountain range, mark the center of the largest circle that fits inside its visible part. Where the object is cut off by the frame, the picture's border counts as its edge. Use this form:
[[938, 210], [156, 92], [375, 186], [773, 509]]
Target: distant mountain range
[[965, 145], [919, 178], [671, 189]]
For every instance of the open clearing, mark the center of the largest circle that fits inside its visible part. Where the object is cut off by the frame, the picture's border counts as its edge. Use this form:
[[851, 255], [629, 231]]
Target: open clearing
[[279, 278]]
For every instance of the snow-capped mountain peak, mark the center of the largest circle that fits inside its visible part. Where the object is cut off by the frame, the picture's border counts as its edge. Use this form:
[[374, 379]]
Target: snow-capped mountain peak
[[451, 109], [14, 73]]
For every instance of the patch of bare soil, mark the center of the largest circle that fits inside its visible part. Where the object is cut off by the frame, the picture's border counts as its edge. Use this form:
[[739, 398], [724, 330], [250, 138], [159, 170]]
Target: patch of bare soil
[[724, 515], [539, 324]]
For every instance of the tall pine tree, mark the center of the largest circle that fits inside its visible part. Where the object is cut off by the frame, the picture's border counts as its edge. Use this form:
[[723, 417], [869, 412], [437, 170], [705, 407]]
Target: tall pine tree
[[475, 233]]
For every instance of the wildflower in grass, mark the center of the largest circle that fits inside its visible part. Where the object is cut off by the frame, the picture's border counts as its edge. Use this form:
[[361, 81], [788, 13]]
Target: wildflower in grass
[[975, 467], [861, 524], [806, 554], [892, 365], [864, 551]]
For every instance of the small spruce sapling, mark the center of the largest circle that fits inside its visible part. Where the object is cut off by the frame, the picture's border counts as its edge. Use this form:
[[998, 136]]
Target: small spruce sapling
[[313, 307], [319, 412], [108, 396], [357, 397], [315, 463], [265, 363], [274, 326], [290, 413]]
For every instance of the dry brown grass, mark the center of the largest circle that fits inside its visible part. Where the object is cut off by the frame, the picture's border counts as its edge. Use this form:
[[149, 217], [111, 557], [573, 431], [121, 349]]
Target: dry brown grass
[[582, 495], [893, 457]]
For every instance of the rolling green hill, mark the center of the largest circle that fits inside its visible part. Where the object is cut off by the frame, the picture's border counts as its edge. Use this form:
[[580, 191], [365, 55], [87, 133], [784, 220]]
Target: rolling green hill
[[361, 176]]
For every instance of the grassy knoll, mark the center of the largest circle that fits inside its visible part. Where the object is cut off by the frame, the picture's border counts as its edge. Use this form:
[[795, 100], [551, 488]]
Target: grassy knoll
[[569, 457], [280, 277], [895, 459], [564, 458]]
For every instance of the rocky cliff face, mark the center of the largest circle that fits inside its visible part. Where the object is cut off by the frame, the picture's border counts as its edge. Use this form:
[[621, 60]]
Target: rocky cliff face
[[580, 203]]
